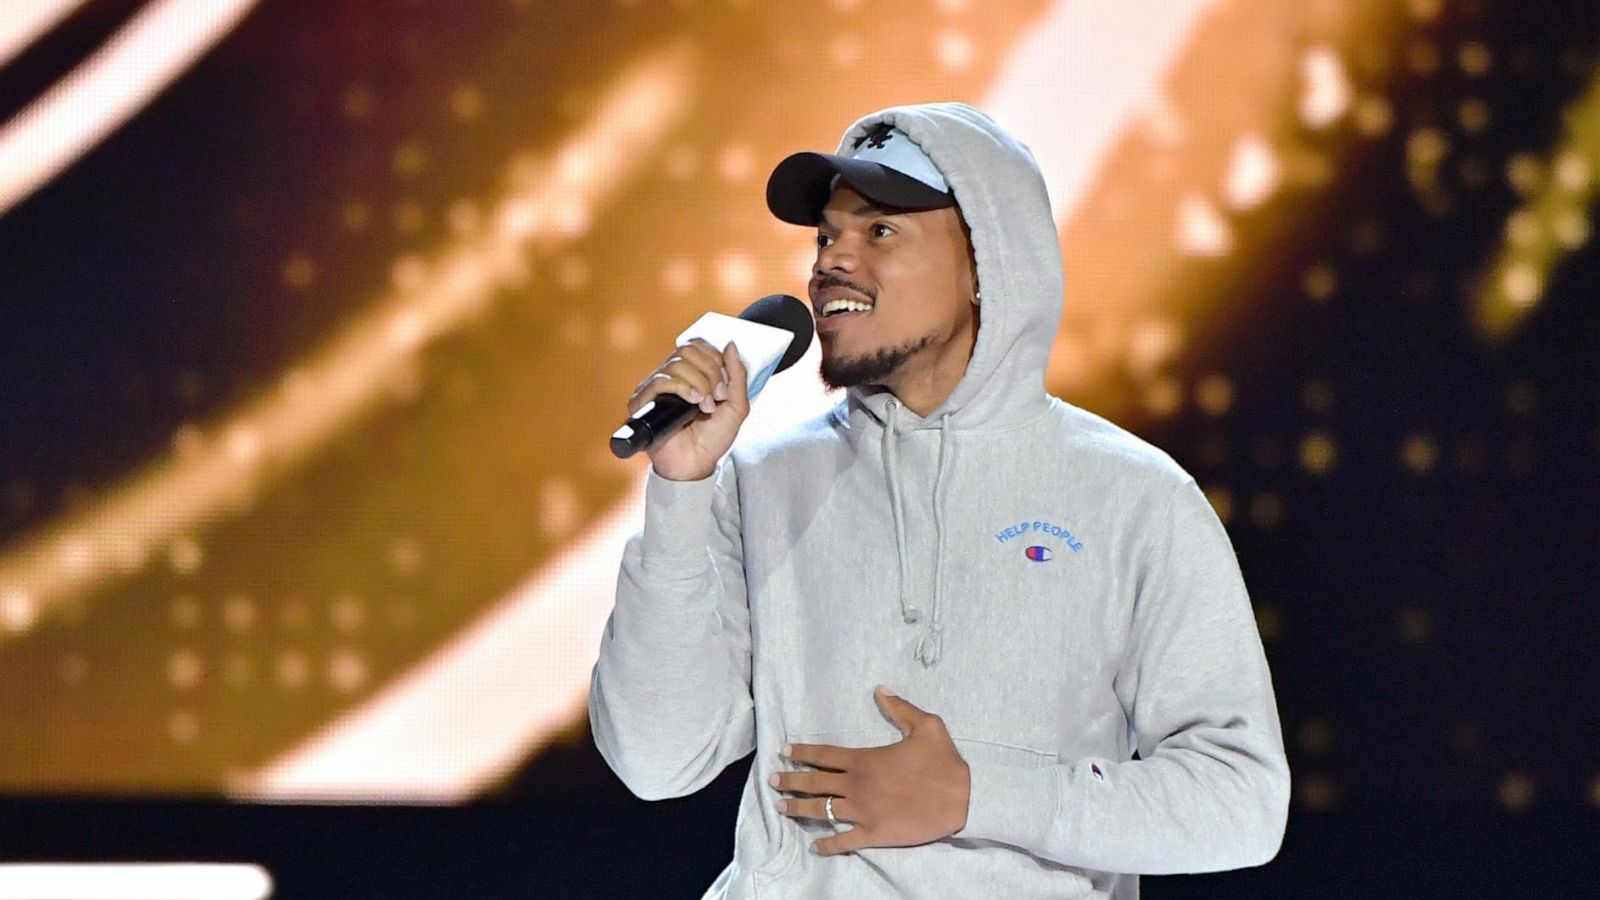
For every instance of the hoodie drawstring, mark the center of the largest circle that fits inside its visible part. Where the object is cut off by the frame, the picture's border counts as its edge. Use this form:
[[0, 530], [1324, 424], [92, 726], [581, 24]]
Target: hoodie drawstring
[[908, 609], [931, 644]]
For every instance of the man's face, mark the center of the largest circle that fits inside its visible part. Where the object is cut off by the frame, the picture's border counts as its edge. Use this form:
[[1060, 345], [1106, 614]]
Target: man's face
[[894, 296]]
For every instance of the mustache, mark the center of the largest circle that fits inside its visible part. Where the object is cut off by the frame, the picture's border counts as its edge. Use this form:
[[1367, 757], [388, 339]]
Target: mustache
[[831, 279]]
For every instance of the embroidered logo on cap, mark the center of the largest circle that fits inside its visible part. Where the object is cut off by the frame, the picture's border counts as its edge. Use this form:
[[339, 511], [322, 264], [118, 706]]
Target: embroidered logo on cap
[[892, 148], [878, 136]]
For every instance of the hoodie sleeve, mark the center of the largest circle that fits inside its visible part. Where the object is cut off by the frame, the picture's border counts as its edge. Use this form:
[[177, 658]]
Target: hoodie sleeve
[[669, 702], [1210, 789]]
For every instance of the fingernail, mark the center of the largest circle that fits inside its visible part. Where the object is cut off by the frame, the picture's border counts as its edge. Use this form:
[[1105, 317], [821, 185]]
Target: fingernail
[[695, 396], [788, 749], [720, 391], [708, 405], [885, 691], [773, 779], [783, 806]]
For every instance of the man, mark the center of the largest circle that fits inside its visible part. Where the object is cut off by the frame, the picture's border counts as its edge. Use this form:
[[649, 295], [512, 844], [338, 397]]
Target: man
[[981, 642]]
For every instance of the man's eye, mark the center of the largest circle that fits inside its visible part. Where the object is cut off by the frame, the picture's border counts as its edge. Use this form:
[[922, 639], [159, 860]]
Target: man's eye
[[823, 241], [879, 229]]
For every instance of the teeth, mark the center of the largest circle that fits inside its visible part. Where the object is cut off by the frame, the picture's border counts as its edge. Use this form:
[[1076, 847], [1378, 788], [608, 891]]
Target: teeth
[[844, 305]]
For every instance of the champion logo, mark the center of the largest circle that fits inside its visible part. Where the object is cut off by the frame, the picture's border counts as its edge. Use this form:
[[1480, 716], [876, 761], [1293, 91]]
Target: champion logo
[[153, 44], [1039, 554]]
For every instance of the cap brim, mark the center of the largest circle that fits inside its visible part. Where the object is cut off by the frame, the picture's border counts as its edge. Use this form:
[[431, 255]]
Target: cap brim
[[800, 186]]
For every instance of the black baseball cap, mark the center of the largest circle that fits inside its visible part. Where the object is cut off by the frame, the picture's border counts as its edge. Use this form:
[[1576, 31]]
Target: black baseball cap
[[885, 165]]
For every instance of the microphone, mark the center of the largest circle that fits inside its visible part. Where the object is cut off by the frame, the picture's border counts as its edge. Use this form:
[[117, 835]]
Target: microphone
[[772, 334]]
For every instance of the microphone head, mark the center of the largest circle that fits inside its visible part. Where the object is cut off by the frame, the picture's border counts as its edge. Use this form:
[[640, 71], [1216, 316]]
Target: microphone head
[[788, 313]]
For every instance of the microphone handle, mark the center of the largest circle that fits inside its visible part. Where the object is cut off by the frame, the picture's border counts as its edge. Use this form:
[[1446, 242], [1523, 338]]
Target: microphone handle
[[655, 421]]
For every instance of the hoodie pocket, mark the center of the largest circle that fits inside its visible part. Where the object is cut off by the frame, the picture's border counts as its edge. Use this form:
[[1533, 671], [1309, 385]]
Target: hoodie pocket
[[951, 867], [977, 751]]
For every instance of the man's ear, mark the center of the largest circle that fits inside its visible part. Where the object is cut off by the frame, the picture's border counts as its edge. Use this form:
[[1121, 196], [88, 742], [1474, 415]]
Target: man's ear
[[972, 257]]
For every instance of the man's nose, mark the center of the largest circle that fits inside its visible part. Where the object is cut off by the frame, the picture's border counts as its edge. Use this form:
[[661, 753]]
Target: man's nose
[[836, 257]]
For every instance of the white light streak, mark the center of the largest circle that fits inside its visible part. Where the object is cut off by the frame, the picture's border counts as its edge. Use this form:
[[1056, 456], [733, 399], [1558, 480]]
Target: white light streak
[[1069, 88], [482, 703], [134, 881], [479, 704], [336, 385], [156, 46]]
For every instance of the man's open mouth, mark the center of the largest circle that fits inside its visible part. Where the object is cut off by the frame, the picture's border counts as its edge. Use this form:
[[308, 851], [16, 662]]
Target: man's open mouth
[[844, 305]]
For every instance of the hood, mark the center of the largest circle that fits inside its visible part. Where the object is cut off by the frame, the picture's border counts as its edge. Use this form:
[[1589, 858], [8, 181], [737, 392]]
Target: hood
[[1001, 193]]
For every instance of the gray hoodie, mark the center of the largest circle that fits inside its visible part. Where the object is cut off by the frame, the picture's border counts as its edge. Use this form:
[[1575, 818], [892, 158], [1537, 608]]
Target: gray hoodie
[[1056, 589]]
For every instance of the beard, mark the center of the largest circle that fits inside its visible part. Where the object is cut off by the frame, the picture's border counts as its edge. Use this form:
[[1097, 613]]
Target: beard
[[869, 368]]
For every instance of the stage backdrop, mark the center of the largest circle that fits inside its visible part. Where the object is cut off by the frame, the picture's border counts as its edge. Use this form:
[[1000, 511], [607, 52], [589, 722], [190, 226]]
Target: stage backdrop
[[315, 318]]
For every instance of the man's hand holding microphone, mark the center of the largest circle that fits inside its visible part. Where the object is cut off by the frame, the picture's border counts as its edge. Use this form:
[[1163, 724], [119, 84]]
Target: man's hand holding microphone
[[716, 384], [686, 413]]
